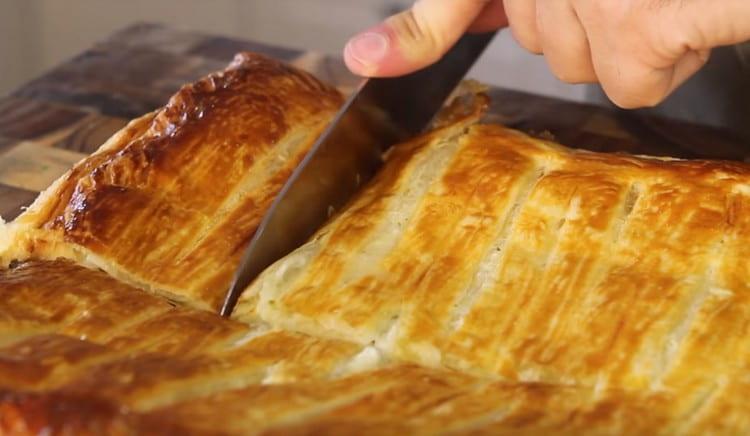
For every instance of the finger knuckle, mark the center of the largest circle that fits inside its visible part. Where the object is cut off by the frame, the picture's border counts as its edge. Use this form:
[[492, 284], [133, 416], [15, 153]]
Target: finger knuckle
[[413, 27], [527, 41], [634, 98], [568, 74]]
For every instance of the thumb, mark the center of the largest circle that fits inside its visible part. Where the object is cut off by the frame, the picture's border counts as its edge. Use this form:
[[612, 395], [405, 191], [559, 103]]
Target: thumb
[[411, 39]]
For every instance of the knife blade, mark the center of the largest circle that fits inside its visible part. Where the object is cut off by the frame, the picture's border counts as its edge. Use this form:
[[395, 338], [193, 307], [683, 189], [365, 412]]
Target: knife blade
[[381, 112]]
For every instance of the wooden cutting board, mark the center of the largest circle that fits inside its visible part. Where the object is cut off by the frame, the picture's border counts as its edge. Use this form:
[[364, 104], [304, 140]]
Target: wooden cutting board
[[52, 122]]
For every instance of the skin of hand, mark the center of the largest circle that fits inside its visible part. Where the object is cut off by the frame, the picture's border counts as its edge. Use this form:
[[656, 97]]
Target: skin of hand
[[638, 50]]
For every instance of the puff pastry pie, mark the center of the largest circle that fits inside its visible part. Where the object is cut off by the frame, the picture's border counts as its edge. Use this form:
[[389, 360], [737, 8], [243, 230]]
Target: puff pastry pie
[[484, 282]]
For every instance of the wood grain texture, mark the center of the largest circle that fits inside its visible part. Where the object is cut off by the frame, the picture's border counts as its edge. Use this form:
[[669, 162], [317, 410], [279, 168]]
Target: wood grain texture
[[22, 118], [13, 199], [83, 101], [33, 166], [90, 133], [6, 143]]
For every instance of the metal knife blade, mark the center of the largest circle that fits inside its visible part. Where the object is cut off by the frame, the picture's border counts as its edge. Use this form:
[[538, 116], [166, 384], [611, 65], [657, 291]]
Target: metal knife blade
[[381, 112]]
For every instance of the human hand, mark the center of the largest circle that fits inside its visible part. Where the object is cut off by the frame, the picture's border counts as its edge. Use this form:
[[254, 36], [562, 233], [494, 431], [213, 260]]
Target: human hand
[[639, 50]]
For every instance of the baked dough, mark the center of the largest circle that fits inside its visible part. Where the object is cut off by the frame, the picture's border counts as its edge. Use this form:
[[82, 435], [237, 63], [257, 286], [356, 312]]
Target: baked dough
[[94, 356], [169, 202], [484, 282], [480, 249]]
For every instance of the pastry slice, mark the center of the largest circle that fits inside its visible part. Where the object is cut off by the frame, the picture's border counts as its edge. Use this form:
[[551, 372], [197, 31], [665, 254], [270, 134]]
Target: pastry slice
[[158, 369], [115, 360], [481, 249], [169, 203], [76, 332]]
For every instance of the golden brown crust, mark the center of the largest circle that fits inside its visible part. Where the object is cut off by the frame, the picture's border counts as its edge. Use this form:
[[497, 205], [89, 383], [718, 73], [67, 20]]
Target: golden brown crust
[[191, 372], [98, 371], [23, 414], [490, 252], [484, 283], [151, 341], [400, 399], [171, 201]]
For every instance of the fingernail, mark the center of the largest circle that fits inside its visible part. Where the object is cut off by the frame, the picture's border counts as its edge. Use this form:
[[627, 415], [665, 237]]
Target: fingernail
[[368, 48]]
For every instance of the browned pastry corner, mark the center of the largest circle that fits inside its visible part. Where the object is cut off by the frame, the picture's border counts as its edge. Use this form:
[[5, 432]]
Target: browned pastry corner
[[170, 201]]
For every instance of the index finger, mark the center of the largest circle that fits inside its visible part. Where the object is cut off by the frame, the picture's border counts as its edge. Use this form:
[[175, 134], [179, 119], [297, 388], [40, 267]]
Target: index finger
[[413, 39]]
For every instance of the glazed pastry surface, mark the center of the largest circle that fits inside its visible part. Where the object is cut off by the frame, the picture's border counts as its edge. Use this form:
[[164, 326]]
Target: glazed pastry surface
[[84, 354], [484, 282], [170, 202], [482, 250]]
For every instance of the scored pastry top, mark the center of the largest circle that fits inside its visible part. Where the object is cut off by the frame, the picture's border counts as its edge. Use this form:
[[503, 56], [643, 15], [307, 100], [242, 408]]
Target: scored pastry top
[[481, 249]]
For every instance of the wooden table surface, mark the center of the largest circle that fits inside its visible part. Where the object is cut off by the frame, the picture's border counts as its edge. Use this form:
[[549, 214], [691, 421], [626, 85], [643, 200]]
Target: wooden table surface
[[55, 120]]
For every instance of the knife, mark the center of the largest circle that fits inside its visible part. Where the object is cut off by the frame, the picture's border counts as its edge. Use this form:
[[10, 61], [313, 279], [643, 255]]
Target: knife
[[382, 111]]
